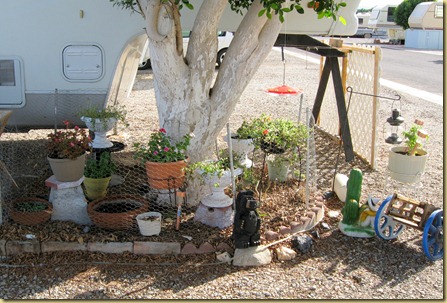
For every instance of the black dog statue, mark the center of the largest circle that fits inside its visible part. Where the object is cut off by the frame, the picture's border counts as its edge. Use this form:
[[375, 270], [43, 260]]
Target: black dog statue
[[246, 221]]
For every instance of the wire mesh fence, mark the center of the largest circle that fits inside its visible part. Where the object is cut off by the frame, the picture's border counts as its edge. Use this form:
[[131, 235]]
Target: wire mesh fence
[[34, 201]]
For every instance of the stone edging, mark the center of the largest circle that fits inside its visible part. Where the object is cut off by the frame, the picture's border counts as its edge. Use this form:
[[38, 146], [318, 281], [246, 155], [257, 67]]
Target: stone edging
[[14, 247]]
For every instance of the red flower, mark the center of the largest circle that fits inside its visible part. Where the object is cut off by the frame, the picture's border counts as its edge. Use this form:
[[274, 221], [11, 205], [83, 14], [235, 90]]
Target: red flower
[[162, 130], [66, 123], [265, 132], [166, 149], [155, 152]]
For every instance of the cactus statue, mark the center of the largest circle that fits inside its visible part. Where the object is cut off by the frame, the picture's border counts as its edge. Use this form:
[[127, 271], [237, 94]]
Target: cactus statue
[[354, 185], [351, 212], [357, 218]]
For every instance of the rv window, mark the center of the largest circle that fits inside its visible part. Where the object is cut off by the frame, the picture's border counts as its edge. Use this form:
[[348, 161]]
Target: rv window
[[12, 88], [390, 17], [439, 11], [7, 75]]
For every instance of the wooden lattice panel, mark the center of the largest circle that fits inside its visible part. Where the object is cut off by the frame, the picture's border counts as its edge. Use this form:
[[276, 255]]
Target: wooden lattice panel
[[361, 71]]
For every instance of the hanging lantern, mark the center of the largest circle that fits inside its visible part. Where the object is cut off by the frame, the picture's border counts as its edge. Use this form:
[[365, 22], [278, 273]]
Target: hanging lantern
[[394, 121]]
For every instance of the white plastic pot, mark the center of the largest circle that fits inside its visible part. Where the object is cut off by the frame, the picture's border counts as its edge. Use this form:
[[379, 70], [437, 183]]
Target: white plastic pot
[[404, 168], [149, 223]]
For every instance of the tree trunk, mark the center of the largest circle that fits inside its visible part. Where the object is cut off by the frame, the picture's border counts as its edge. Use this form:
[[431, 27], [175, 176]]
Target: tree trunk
[[190, 99]]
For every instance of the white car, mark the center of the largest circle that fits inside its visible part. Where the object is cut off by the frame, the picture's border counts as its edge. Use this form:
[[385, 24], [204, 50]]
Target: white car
[[224, 40]]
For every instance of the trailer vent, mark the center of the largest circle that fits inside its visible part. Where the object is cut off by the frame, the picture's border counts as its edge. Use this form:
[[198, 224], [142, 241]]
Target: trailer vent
[[82, 63]]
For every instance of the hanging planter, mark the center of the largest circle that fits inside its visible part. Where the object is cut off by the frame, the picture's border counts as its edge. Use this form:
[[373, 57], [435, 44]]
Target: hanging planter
[[272, 148], [149, 223], [117, 212], [405, 168], [30, 211]]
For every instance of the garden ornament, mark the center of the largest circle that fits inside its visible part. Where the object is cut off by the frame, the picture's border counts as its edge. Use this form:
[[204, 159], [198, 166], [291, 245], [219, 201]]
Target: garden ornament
[[246, 221], [358, 220]]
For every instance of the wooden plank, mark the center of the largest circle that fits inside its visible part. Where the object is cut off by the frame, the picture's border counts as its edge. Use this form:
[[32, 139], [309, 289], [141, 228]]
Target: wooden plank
[[406, 222], [342, 112], [321, 89], [308, 43]]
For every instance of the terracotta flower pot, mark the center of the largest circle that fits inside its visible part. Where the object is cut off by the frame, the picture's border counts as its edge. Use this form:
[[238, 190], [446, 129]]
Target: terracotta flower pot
[[117, 212], [168, 175], [30, 217], [67, 170]]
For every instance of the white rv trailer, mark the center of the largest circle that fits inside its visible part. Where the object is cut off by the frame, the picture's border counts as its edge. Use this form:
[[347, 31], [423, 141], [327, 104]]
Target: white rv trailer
[[382, 17], [426, 26], [59, 56], [427, 15]]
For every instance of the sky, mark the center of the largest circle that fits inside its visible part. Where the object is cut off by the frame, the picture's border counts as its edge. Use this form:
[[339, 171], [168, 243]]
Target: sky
[[372, 3]]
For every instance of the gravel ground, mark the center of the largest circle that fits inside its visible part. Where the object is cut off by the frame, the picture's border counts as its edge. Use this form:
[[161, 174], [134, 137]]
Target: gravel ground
[[337, 267]]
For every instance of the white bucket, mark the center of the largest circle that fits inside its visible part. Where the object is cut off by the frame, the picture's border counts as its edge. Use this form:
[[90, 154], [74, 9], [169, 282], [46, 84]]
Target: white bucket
[[150, 227]]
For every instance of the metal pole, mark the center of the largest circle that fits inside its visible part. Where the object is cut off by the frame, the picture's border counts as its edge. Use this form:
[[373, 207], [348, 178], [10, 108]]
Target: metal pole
[[307, 159], [230, 152]]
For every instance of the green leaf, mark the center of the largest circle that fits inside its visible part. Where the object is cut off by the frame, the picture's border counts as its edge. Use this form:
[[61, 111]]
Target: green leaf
[[281, 18], [261, 12], [286, 10], [300, 10], [189, 5], [269, 15], [342, 4], [342, 20]]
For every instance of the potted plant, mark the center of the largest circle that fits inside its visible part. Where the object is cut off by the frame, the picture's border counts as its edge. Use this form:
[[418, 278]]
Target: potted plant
[[97, 175], [30, 211], [407, 163], [164, 160], [242, 143], [101, 121], [281, 135], [217, 175], [66, 153]]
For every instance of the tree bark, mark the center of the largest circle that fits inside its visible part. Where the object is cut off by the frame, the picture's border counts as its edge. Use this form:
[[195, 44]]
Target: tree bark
[[190, 99]]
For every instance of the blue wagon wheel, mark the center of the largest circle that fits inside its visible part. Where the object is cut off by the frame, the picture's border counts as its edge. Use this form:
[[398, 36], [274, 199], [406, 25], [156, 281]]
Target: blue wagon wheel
[[433, 236], [385, 226]]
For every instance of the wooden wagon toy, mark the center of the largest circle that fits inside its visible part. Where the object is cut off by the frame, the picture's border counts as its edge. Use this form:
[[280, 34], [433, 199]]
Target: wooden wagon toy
[[396, 212]]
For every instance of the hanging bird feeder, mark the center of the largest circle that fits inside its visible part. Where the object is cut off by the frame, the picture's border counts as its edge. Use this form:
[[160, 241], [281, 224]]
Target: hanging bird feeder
[[283, 89]]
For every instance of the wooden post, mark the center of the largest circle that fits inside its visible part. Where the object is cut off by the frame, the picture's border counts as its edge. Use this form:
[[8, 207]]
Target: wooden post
[[342, 113], [377, 55]]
